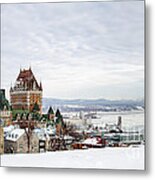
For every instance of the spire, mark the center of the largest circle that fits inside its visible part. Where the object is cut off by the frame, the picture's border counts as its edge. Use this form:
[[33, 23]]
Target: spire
[[50, 111], [11, 89], [29, 67], [41, 88], [57, 114], [59, 120]]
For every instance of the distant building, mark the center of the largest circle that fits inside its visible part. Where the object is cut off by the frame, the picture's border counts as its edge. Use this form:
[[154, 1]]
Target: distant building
[[5, 113], [81, 115], [115, 128], [26, 93]]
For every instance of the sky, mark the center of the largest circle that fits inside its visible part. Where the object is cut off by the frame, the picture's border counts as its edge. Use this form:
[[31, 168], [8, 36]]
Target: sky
[[78, 50]]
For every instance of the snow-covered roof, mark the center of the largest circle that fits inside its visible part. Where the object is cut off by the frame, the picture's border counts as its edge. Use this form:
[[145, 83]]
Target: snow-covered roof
[[8, 128], [41, 133], [15, 134], [50, 131], [92, 141], [37, 130], [68, 137]]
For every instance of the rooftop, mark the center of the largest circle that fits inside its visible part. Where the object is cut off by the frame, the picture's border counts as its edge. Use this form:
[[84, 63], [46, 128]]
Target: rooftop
[[26, 81], [15, 134]]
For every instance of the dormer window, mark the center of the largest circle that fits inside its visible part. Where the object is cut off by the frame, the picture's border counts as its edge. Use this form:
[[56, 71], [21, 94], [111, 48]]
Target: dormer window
[[34, 85], [16, 136]]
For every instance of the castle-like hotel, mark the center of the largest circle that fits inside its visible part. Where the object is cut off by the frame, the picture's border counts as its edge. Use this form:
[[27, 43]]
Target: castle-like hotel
[[26, 92]]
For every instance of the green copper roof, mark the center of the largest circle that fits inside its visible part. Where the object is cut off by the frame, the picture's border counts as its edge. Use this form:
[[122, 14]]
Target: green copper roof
[[36, 107], [57, 114], [50, 111], [4, 103]]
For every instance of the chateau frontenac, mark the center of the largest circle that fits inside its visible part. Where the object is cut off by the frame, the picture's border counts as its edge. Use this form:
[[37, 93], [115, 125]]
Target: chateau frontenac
[[27, 92]]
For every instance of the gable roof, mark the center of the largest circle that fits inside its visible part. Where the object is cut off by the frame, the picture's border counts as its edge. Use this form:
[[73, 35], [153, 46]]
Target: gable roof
[[27, 80]]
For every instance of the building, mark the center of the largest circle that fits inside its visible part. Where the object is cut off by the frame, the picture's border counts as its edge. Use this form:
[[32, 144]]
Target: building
[[8, 129], [5, 112], [17, 142], [26, 92], [1, 138], [60, 125], [114, 127], [50, 117]]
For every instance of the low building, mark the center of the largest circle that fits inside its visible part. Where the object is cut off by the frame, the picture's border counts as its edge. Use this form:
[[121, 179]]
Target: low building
[[17, 142], [44, 138], [6, 116]]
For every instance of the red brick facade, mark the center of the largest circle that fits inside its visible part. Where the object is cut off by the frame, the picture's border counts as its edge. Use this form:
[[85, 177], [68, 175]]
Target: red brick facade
[[26, 91]]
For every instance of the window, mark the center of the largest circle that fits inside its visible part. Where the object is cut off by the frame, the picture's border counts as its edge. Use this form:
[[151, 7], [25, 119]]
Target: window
[[16, 136], [21, 146]]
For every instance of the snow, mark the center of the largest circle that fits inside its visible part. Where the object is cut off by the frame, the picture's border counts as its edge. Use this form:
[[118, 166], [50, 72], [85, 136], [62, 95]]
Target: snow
[[41, 134], [105, 158], [68, 137], [8, 128], [15, 134], [92, 141]]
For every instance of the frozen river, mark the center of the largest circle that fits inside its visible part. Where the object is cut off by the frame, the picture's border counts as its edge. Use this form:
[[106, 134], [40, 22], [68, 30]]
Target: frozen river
[[130, 119]]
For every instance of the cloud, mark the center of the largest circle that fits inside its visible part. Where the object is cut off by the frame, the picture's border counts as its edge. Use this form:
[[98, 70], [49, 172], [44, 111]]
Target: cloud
[[78, 50]]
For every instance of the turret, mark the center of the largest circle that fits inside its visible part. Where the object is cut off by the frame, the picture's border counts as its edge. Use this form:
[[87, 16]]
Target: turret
[[41, 86], [50, 114]]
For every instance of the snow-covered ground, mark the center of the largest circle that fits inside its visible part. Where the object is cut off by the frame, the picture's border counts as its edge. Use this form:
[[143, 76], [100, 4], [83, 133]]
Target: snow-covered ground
[[105, 158]]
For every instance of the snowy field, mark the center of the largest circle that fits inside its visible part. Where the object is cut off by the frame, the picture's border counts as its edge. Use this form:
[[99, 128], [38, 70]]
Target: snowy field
[[105, 158]]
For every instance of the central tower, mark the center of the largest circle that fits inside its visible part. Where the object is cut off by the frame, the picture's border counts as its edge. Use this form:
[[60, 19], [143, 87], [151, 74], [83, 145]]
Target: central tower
[[26, 92]]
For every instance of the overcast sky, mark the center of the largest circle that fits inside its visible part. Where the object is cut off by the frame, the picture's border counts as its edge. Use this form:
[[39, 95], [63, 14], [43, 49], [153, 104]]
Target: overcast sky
[[77, 50]]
